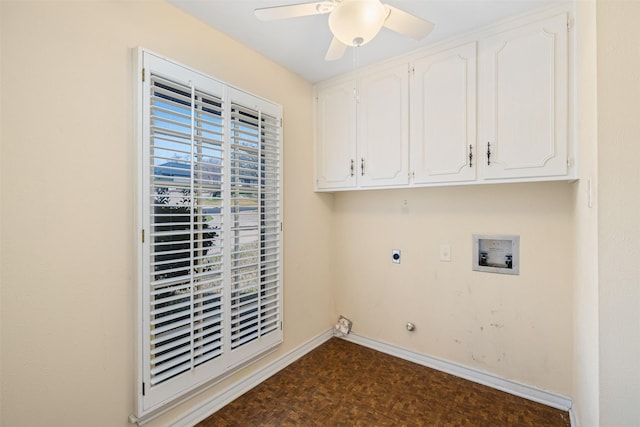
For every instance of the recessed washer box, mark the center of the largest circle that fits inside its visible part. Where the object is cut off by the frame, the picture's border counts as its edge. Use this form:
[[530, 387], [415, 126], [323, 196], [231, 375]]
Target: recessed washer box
[[496, 253]]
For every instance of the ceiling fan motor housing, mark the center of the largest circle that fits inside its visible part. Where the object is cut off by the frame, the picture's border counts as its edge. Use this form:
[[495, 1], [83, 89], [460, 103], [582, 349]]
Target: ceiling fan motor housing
[[356, 22]]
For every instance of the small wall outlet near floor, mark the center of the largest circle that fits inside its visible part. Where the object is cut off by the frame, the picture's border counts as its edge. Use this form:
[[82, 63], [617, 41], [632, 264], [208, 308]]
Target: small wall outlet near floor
[[395, 256]]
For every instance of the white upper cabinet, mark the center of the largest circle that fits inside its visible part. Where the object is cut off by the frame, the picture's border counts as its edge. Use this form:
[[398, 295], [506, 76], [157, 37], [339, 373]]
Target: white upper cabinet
[[524, 96], [335, 154], [443, 117], [486, 109], [383, 128], [362, 131]]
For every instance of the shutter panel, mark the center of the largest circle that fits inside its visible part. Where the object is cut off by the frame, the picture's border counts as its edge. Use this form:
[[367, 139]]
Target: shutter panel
[[186, 280], [255, 224]]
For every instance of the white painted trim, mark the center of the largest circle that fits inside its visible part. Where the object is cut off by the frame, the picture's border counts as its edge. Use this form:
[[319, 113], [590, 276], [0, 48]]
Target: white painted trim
[[573, 418], [237, 389], [512, 387]]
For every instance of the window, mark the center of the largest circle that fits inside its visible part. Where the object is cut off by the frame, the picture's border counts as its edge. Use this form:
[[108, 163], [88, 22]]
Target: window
[[209, 211]]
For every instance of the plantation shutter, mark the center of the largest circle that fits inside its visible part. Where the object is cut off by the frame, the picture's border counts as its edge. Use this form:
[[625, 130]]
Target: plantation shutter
[[210, 213], [255, 231]]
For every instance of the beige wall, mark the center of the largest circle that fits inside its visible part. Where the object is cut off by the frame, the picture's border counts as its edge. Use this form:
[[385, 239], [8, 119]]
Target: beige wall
[[619, 211], [67, 201], [517, 327]]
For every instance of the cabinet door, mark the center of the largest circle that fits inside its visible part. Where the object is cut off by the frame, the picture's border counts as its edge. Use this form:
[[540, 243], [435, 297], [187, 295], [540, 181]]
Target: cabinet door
[[524, 86], [383, 124], [443, 116], [335, 149]]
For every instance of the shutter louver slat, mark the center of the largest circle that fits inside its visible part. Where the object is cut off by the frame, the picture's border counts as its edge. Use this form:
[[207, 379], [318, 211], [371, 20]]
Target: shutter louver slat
[[177, 329], [177, 343], [158, 376], [169, 340]]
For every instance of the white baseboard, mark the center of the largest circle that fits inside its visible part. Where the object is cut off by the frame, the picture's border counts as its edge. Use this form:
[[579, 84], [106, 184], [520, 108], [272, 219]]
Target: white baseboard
[[522, 390], [573, 418], [232, 392]]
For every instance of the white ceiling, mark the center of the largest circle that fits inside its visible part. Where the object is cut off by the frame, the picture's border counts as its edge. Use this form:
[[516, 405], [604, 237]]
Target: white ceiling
[[300, 44]]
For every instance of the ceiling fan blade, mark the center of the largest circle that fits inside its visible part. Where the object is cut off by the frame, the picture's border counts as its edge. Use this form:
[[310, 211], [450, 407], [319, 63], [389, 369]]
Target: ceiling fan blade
[[407, 24], [293, 10], [336, 50]]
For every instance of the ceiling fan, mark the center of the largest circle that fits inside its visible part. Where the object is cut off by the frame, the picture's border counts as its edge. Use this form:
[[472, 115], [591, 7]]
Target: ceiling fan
[[352, 22]]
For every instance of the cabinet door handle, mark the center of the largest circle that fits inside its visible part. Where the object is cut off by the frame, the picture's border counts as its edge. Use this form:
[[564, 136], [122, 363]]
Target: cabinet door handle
[[488, 154], [470, 155], [362, 166], [353, 167]]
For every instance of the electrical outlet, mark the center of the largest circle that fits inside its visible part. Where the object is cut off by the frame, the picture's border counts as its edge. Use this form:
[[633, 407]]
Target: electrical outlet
[[395, 256], [445, 253]]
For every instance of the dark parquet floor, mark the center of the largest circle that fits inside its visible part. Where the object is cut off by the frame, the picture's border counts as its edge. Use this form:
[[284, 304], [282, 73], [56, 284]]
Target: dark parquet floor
[[345, 384]]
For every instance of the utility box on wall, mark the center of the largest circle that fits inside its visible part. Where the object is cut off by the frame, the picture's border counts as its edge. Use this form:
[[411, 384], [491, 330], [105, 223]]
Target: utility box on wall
[[496, 253]]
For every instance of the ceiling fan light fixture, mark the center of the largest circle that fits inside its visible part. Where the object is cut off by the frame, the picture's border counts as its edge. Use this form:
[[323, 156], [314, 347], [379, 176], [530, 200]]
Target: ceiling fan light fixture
[[356, 22]]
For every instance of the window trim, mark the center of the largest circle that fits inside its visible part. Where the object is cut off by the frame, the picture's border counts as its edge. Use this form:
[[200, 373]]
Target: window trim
[[148, 405]]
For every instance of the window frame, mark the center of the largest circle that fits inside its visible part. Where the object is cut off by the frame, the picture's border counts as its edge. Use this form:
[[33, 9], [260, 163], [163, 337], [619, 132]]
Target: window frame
[[153, 400]]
